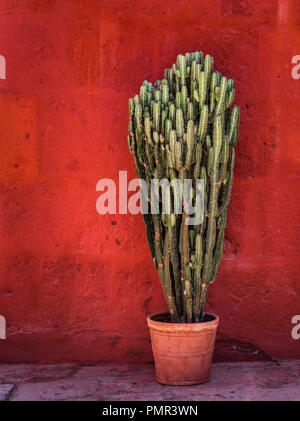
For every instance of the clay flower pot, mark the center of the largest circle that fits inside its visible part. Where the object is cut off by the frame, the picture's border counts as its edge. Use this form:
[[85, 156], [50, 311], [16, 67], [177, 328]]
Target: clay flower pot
[[182, 351]]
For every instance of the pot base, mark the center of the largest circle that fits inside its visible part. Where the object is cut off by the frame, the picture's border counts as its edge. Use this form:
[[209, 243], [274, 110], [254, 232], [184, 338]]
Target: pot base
[[176, 382]]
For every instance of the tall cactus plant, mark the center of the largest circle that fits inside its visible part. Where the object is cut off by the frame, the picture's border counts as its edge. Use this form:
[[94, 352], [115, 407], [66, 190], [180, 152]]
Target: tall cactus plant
[[185, 127]]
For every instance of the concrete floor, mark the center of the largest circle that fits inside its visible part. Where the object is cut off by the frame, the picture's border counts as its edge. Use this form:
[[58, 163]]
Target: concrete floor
[[133, 382]]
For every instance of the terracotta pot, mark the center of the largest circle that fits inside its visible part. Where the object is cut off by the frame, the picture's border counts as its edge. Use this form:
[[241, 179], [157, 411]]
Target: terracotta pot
[[182, 351]]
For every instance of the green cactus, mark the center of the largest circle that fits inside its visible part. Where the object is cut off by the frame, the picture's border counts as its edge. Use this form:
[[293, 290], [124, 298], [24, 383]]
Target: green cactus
[[184, 127]]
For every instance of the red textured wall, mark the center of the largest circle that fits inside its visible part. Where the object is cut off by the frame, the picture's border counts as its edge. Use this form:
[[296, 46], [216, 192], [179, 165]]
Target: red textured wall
[[77, 286]]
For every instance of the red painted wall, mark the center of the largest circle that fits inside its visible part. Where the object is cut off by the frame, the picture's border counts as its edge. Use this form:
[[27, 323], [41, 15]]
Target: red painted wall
[[77, 286]]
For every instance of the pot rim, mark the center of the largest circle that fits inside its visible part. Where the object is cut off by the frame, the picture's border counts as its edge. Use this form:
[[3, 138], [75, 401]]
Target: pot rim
[[189, 326]]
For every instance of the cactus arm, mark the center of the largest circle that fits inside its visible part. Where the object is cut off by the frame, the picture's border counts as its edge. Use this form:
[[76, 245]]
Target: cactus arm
[[175, 261], [189, 296], [213, 197], [167, 279], [234, 121], [208, 67], [228, 187], [197, 167], [184, 103], [203, 122], [179, 123], [224, 160], [185, 281], [202, 89], [197, 276], [190, 144], [221, 103]]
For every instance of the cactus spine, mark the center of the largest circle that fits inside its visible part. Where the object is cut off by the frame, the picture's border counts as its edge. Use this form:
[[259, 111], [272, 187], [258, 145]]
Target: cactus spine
[[185, 127]]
